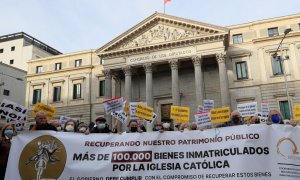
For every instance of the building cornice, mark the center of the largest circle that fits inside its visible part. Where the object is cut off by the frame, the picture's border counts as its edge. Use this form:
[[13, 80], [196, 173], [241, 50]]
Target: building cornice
[[60, 71]]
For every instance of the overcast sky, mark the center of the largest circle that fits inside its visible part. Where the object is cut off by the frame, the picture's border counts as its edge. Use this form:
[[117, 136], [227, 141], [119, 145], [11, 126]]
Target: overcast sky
[[74, 25]]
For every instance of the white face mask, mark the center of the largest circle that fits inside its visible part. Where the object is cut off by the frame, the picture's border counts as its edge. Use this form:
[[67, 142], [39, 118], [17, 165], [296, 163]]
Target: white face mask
[[166, 125], [58, 128], [70, 128], [82, 130]]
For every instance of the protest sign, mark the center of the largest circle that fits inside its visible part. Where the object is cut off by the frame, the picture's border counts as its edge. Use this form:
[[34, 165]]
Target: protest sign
[[180, 114], [144, 112], [240, 152], [208, 105], [121, 116], [202, 119], [13, 112], [132, 108], [247, 109], [220, 115], [297, 112], [49, 110], [112, 105], [264, 112]]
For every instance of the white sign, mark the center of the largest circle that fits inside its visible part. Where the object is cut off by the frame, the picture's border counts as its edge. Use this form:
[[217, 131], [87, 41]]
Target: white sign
[[255, 152], [121, 116], [13, 112], [208, 105], [247, 109], [203, 119], [112, 105], [264, 111], [262, 117], [132, 108]]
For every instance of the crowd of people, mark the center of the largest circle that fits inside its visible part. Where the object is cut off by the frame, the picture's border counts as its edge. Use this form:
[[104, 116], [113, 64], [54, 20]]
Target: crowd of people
[[134, 126]]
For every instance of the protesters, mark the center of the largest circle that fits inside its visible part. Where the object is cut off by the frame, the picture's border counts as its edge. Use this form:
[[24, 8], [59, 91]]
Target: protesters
[[236, 119], [70, 126], [275, 117], [157, 126], [102, 127], [166, 124], [133, 127], [56, 123], [193, 126], [41, 122], [254, 120], [83, 128], [5, 143], [184, 127], [141, 125]]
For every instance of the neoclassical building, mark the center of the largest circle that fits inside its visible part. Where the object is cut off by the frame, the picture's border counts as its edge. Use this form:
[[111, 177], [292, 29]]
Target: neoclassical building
[[166, 60]]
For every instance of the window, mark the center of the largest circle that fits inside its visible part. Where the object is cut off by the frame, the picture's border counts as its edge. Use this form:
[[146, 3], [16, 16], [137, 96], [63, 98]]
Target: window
[[39, 69], [6, 92], [237, 38], [273, 32], [78, 62], [11, 61], [101, 88], [56, 93], [277, 65], [101, 61], [241, 70], [1, 50], [37, 94], [285, 109], [76, 91], [12, 48], [57, 66]]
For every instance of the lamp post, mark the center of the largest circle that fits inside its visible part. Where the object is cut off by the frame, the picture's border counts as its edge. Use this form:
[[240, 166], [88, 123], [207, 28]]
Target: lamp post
[[281, 59]]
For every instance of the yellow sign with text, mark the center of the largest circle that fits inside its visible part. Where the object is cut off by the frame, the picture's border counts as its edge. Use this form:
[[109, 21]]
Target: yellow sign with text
[[220, 115], [144, 112], [180, 114], [297, 112], [49, 110]]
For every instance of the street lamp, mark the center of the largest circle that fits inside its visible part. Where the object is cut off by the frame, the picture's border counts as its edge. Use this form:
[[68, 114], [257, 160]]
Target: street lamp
[[281, 59]]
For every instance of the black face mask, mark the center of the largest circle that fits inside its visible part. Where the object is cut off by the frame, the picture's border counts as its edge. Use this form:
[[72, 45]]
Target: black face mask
[[235, 119], [133, 129]]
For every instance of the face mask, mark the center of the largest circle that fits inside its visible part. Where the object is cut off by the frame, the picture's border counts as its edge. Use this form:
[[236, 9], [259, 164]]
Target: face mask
[[8, 132], [19, 128], [157, 128], [275, 119], [133, 129], [257, 122], [185, 129], [82, 130], [166, 125], [101, 126], [235, 119], [69, 128], [58, 128]]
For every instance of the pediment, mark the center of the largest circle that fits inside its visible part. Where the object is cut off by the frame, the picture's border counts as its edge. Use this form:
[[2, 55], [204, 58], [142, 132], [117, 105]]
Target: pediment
[[160, 29]]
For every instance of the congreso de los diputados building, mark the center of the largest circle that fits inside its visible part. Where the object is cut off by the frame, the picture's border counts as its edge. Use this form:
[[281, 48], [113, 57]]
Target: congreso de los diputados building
[[166, 60]]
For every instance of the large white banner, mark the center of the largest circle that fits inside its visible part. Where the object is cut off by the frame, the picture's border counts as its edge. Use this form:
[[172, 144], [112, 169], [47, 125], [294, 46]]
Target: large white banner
[[241, 152]]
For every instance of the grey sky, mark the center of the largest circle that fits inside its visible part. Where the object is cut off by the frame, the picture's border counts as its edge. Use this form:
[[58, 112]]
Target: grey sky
[[74, 25]]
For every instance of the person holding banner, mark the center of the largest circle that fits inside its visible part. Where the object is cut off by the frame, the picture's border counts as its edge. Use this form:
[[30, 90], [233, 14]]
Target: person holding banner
[[7, 133], [236, 119], [41, 123], [133, 127], [83, 128], [157, 126], [193, 126], [275, 117], [102, 127], [70, 126], [166, 124]]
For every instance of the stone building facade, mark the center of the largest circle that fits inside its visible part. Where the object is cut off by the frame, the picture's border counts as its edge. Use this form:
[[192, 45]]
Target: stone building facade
[[73, 83], [166, 60]]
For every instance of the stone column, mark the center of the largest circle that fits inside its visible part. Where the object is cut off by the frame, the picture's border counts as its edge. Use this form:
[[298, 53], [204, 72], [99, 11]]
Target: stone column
[[149, 86], [108, 92], [197, 61], [128, 92], [223, 79], [175, 85]]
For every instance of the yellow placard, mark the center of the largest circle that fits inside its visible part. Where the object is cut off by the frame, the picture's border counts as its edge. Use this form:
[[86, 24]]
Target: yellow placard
[[220, 115], [144, 112], [49, 110], [297, 112], [180, 114]]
